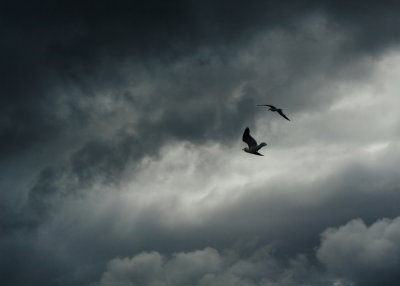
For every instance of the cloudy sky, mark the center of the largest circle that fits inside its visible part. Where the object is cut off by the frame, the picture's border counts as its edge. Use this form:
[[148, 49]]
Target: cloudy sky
[[120, 150]]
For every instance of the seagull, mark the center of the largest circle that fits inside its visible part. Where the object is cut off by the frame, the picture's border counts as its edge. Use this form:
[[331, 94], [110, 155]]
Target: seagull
[[273, 108], [253, 147]]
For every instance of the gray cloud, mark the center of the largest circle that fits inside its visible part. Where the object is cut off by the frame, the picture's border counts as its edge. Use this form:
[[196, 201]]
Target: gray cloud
[[352, 253], [84, 45], [209, 267], [120, 137], [367, 254], [164, 208]]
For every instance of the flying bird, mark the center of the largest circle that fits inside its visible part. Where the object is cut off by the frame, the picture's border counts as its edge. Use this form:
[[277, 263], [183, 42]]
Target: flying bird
[[253, 146], [273, 108]]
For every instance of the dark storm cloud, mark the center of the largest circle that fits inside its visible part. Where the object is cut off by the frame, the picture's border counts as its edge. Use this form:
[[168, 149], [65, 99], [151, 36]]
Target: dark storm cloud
[[55, 44], [88, 90], [290, 217], [96, 162]]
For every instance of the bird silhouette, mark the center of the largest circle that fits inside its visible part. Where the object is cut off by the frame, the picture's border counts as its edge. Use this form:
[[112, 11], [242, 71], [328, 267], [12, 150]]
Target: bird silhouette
[[253, 146], [273, 108]]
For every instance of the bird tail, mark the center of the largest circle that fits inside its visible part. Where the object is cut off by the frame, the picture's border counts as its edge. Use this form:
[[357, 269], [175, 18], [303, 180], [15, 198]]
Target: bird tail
[[261, 145]]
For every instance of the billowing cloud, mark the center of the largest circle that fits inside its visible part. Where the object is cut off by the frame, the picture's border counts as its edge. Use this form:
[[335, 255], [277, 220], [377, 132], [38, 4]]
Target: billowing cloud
[[368, 254], [353, 254], [209, 267], [121, 143]]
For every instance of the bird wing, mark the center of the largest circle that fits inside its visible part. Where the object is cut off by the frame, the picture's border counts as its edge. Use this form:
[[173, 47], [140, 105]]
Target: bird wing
[[248, 139], [283, 115], [266, 105]]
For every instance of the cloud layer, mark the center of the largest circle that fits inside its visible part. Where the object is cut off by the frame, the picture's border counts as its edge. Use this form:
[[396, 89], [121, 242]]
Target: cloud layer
[[121, 155], [350, 254], [367, 254], [208, 267]]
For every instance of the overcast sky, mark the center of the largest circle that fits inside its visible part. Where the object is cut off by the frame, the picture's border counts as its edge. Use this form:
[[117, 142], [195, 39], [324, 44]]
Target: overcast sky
[[120, 148]]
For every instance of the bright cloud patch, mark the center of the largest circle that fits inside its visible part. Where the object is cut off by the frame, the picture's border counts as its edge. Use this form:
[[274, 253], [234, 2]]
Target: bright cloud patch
[[208, 267], [357, 250]]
